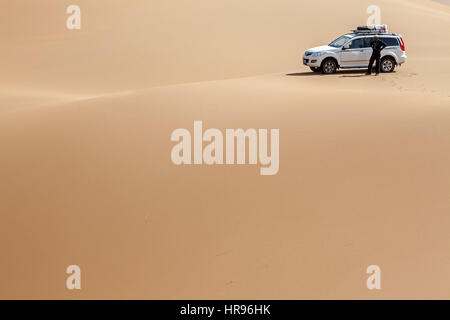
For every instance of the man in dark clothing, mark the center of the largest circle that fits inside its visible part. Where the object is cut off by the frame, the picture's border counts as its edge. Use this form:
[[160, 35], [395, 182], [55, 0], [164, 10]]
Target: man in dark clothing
[[377, 45]]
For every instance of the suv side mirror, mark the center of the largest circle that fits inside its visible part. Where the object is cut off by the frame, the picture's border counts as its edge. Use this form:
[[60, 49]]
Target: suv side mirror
[[345, 47]]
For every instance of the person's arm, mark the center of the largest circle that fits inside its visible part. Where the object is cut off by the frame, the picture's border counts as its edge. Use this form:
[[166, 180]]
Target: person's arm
[[383, 45]]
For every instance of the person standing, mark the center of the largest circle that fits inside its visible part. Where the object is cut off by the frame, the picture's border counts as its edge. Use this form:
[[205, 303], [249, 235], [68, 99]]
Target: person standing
[[377, 46]]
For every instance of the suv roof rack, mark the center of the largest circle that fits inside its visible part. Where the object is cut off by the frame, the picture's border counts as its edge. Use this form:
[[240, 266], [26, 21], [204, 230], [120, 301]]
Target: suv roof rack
[[374, 33], [376, 29]]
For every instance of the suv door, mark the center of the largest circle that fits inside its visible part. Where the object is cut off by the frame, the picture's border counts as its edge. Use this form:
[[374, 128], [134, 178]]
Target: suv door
[[354, 55], [367, 49]]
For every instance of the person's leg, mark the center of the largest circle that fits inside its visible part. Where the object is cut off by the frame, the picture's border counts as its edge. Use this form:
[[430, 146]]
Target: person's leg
[[372, 59], [378, 64]]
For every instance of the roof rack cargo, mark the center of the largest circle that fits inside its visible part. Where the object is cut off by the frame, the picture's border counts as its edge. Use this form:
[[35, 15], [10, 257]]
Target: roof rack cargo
[[376, 29]]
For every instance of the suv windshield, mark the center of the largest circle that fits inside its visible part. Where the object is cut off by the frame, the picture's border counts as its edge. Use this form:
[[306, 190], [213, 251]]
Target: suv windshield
[[339, 42]]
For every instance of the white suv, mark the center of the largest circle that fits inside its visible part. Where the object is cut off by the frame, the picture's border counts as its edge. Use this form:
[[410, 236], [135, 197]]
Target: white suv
[[353, 51]]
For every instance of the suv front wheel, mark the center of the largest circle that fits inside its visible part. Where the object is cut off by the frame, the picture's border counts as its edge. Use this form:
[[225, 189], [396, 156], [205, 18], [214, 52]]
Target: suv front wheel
[[387, 64], [329, 66]]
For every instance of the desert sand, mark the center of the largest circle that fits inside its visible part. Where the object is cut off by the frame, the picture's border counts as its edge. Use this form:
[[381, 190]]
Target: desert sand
[[86, 176]]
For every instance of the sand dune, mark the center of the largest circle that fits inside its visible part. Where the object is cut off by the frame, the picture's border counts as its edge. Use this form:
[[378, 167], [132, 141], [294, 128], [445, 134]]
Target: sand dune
[[144, 43], [86, 176]]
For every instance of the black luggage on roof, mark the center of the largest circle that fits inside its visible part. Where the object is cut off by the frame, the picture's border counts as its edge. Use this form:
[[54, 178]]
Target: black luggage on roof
[[379, 28]]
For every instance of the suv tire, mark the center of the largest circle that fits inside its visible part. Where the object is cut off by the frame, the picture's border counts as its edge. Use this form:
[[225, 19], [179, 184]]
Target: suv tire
[[328, 66], [387, 64]]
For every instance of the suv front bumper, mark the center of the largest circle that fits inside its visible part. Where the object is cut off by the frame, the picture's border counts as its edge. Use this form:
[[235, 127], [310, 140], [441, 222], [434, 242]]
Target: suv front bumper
[[311, 61]]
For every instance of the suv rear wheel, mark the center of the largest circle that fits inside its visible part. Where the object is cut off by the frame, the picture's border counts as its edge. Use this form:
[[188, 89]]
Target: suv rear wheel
[[387, 64], [329, 66]]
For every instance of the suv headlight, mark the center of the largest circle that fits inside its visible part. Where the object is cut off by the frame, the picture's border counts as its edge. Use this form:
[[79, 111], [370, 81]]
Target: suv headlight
[[318, 54]]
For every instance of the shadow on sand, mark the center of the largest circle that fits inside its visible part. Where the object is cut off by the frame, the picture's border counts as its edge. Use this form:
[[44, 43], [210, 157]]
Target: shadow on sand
[[341, 73], [354, 73]]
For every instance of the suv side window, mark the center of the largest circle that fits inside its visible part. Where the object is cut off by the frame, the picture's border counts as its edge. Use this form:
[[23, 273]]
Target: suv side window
[[390, 41], [367, 42], [357, 43]]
